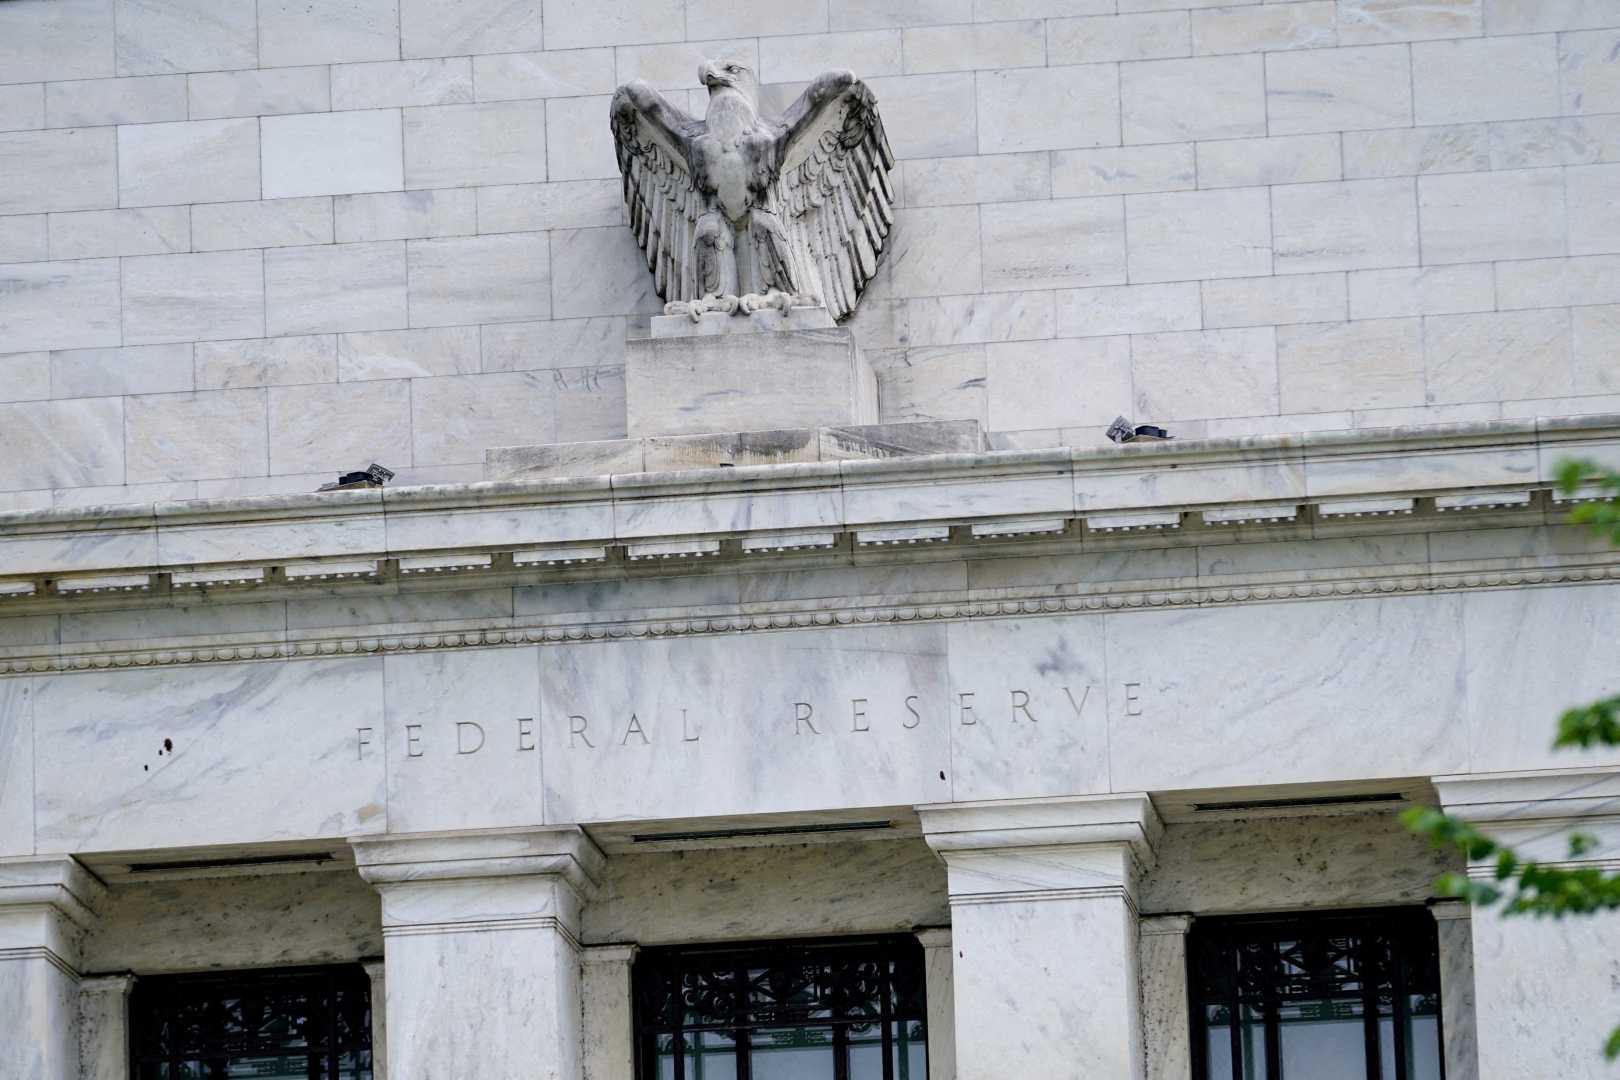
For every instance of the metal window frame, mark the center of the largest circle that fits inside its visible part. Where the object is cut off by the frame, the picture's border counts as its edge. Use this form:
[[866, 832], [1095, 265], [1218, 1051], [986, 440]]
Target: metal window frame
[[1402, 926], [889, 949], [323, 982]]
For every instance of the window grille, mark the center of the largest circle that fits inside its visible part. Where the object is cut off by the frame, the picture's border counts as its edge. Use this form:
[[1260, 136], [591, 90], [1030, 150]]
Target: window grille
[[1335, 996], [839, 1010], [282, 1024]]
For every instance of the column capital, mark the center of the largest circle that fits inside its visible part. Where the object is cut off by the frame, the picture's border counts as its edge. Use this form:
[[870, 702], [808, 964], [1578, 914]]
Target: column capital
[[1089, 846], [1021, 823], [107, 984], [1535, 812], [1535, 796], [56, 881], [934, 937], [608, 954], [1177, 924], [1450, 910], [563, 852]]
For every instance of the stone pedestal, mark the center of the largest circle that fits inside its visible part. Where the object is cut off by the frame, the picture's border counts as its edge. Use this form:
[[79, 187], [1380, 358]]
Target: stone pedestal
[[1545, 994], [45, 905], [1044, 932], [480, 941], [722, 380]]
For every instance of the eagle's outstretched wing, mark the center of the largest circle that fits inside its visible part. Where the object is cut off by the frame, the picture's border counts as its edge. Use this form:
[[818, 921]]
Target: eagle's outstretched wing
[[833, 188], [653, 138]]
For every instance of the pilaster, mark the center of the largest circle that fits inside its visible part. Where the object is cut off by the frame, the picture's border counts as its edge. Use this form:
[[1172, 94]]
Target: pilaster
[[104, 1027], [1544, 989], [608, 1012], [1044, 931], [377, 972], [46, 903], [481, 941], [938, 964], [1165, 1002], [1454, 928]]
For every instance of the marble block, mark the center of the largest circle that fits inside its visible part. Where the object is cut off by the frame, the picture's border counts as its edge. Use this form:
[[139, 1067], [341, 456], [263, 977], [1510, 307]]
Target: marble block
[[1029, 707], [738, 382], [16, 767], [236, 753], [734, 448], [1245, 703], [716, 323], [825, 718]]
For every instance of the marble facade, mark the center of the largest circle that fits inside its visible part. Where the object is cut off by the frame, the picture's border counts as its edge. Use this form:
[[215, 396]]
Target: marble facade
[[691, 633], [1044, 711]]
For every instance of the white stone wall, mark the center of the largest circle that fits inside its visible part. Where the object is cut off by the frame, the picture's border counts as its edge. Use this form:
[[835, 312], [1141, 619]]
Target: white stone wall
[[245, 245]]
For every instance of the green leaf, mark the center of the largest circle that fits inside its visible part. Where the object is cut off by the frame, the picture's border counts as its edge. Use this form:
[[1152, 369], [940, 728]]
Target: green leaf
[[1569, 473], [1611, 1049], [1585, 726]]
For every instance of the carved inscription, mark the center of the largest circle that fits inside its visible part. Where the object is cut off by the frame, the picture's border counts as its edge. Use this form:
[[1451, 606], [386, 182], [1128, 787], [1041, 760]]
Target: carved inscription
[[460, 738], [466, 738], [859, 716]]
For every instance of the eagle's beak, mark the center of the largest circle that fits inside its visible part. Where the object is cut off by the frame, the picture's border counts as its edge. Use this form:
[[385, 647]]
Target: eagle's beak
[[710, 76]]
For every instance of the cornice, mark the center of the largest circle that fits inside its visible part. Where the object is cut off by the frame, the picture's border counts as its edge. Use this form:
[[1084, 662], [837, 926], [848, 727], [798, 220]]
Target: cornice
[[804, 516]]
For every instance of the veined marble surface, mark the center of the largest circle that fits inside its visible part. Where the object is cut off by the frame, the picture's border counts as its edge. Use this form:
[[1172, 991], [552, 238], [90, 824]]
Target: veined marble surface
[[1286, 693], [815, 718], [1286, 864], [463, 740], [40, 1004], [16, 766], [787, 891], [231, 754], [1544, 995], [263, 920], [1036, 694], [1529, 656], [1062, 976], [796, 720]]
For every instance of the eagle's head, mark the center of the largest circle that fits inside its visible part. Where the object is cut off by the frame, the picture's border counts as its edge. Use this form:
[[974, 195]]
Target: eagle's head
[[716, 74]]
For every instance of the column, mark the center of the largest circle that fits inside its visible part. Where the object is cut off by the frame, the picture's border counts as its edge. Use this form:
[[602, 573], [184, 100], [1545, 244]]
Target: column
[[1044, 929], [104, 1026], [1455, 933], [481, 940], [937, 967], [1545, 993], [46, 903], [1165, 1002], [377, 971], [609, 1024]]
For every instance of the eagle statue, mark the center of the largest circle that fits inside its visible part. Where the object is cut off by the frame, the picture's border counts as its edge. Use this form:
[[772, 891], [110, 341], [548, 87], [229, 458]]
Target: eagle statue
[[738, 212]]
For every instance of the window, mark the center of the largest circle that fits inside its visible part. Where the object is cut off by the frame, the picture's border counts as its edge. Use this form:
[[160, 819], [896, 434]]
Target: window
[[286, 1024], [839, 1010], [1341, 996]]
